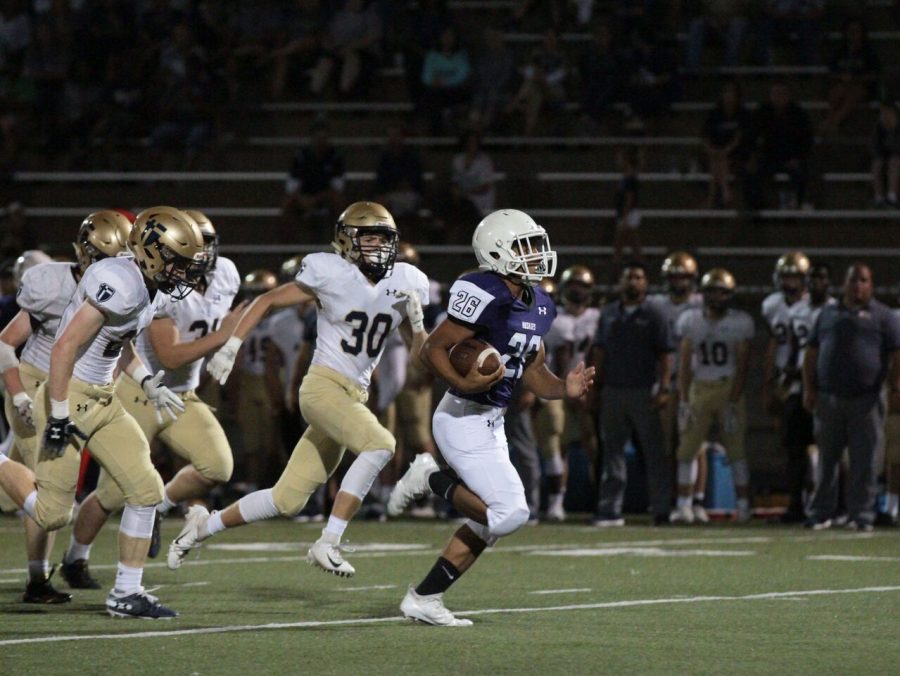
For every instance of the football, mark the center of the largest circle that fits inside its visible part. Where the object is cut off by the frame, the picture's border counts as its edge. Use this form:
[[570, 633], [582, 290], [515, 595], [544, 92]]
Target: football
[[474, 352]]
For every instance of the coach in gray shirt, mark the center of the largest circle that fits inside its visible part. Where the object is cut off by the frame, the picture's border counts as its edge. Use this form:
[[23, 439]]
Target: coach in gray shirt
[[853, 347], [632, 352]]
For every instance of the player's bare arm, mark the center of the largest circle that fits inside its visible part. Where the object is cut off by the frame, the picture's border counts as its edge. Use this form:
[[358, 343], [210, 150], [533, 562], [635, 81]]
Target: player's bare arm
[[545, 384], [174, 353], [12, 337], [414, 340], [435, 356]]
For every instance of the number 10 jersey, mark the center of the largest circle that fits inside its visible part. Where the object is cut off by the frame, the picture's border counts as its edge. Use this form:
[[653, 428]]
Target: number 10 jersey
[[715, 341], [355, 316]]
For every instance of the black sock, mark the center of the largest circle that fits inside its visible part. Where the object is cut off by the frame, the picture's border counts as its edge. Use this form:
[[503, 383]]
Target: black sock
[[442, 485], [439, 578]]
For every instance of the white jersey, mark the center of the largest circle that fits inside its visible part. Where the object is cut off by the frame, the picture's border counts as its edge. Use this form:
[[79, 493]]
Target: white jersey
[[715, 341], [356, 316], [776, 312], [116, 287], [575, 330], [803, 317], [44, 293], [671, 310], [194, 316], [392, 370], [255, 346]]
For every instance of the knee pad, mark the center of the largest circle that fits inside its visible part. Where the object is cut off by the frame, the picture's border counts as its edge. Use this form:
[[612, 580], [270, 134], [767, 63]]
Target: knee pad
[[258, 506], [509, 521], [361, 475], [137, 521], [482, 532]]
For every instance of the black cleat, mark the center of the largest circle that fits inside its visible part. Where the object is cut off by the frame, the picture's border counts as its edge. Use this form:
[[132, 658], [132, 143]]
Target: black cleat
[[155, 539], [77, 575], [41, 591], [140, 605]]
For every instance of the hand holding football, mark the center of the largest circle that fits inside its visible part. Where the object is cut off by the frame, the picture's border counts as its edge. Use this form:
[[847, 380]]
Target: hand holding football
[[474, 352]]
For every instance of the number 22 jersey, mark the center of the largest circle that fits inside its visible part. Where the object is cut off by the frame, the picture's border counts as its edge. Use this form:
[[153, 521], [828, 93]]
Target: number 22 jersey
[[355, 316], [483, 302]]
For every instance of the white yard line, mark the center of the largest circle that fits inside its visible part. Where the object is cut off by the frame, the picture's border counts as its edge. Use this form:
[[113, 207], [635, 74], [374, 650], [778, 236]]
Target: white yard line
[[487, 611], [846, 557], [561, 591], [371, 586]]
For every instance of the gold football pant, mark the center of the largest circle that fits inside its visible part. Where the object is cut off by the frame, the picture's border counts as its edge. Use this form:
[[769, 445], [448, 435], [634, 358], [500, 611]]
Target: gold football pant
[[25, 444], [116, 442], [709, 399], [549, 426], [194, 435], [335, 409], [413, 421]]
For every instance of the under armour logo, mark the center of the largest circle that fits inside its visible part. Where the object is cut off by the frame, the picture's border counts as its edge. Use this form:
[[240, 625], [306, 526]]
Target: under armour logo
[[490, 423], [81, 407], [542, 310]]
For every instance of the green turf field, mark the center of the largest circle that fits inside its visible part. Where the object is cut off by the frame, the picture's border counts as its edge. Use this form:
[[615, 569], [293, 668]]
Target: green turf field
[[550, 599]]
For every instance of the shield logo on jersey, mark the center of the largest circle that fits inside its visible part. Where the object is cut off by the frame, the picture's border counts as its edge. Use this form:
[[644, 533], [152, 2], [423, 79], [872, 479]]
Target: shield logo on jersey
[[105, 292]]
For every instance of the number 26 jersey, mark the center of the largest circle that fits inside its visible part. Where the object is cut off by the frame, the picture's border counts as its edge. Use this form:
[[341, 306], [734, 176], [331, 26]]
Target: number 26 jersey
[[355, 316], [483, 302], [715, 341]]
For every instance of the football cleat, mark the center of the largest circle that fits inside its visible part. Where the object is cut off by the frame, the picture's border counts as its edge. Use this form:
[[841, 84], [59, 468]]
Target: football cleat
[[155, 537], [555, 512], [188, 538], [327, 556], [608, 522], [430, 610], [683, 514], [77, 575], [818, 524], [412, 485], [140, 605], [41, 591], [700, 514]]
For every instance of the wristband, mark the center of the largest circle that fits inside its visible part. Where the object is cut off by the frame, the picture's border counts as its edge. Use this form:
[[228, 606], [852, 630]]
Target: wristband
[[59, 409], [234, 343], [140, 374], [20, 398]]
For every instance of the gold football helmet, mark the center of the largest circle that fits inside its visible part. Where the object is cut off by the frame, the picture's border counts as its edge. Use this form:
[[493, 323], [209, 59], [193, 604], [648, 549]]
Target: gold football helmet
[[406, 253], [791, 263], [290, 268], [102, 234], [210, 237], [577, 284], [168, 248], [258, 282], [717, 279], [549, 287], [679, 263], [375, 260]]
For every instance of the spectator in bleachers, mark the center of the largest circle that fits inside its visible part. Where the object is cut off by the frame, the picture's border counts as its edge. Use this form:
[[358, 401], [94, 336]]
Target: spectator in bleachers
[[724, 18], [315, 186], [632, 352], [399, 183], [494, 74], [854, 70], [854, 350], [653, 79], [628, 216], [474, 176], [543, 83], [446, 75], [886, 156], [302, 26], [255, 31], [783, 143], [783, 20], [419, 35], [725, 135], [601, 70], [352, 42]]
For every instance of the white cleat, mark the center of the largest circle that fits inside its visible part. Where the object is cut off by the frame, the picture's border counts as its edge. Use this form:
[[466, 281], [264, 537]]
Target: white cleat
[[328, 557], [555, 512], [188, 538], [683, 514], [430, 610], [412, 485], [700, 514]]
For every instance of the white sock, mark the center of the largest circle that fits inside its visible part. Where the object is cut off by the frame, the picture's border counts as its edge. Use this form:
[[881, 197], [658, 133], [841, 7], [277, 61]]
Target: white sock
[[29, 503], [893, 503], [684, 501], [212, 526], [128, 579], [166, 504], [77, 551], [38, 570], [699, 496], [334, 529], [556, 500]]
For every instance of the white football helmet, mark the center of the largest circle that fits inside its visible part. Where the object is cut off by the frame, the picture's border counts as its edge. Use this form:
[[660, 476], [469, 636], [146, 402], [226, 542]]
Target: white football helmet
[[508, 241]]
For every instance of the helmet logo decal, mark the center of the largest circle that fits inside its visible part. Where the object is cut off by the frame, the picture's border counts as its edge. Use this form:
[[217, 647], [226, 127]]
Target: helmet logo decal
[[153, 231], [105, 292]]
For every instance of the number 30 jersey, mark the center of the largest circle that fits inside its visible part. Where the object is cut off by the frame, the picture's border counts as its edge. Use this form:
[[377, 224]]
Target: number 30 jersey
[[483, 302], [194, 316], [715, 341], [355, 316], [115, 286], [44, 293]]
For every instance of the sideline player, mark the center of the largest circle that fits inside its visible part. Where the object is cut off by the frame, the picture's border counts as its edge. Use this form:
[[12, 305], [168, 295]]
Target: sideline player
[[715, 358], [110, 306], [502, 305], [362, 296], [181, 334], [44, 292]]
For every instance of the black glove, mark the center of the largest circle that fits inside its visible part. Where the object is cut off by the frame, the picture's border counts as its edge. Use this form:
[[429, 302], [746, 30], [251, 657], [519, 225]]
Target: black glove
[[57, 436]]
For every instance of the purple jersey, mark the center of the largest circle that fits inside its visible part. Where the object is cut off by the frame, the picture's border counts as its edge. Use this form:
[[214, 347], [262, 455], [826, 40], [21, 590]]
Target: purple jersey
[[483, 302]]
